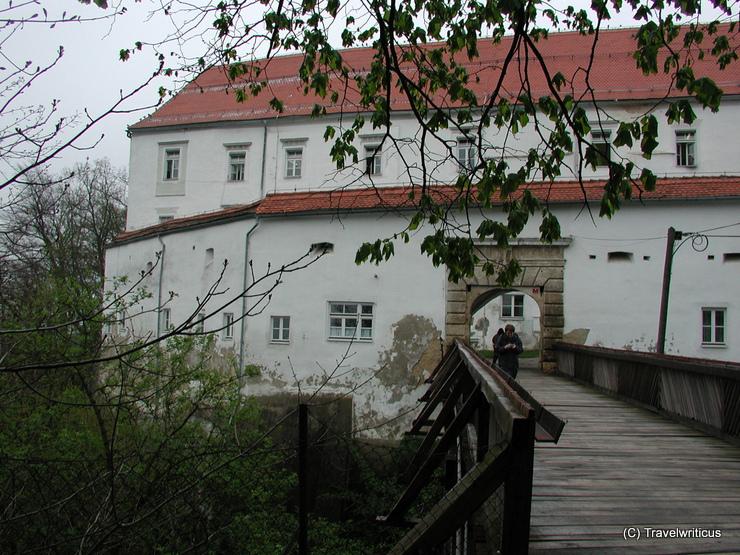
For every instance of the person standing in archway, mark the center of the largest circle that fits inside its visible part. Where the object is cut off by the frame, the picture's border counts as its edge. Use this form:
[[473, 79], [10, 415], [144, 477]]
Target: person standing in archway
[[508, 348], [494, 341]]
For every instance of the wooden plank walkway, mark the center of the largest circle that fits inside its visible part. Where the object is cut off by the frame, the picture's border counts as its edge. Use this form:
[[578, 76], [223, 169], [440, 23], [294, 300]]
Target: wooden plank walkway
[[619, 466]]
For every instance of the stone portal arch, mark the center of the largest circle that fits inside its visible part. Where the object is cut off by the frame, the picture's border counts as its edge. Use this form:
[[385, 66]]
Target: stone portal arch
[[541, 278]]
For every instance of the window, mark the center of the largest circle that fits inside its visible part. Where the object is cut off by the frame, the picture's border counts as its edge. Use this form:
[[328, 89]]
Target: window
[[619, 256], [345, 318], [117, 324], [200, 322], [602, 144], [465, 154], [280, 329], [512, 306], [237, 161], [293, 161], [165, 323], [228, 327], [373, 160], [713, 323], [171, 164], [163, 219], [685, 148]]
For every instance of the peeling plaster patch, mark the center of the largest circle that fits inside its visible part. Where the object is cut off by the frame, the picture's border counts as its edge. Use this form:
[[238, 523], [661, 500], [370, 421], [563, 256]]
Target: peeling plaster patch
[[415, 350], [270, 380], [369, 422], [643, 345]]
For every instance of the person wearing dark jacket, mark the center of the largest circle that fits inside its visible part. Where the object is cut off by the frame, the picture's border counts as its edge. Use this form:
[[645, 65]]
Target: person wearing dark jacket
[[508, 348]]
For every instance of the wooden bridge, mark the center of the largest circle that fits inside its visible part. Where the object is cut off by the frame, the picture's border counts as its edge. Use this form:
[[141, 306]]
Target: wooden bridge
[[621, 479], [619, 469]]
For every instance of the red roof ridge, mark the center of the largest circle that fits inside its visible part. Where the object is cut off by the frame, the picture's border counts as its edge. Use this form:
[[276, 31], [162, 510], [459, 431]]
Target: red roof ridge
[[397, 198], [187, 222], [614, 76], [556, 192]]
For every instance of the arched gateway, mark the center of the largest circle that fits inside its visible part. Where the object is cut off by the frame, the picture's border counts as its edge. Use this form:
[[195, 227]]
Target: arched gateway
[[541, 278]]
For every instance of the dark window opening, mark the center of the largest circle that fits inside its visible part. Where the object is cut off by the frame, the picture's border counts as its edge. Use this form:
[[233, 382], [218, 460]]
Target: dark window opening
[[619, 256]]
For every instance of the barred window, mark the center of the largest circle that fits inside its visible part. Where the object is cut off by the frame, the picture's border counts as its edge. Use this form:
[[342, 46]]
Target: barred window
[[237, 163]]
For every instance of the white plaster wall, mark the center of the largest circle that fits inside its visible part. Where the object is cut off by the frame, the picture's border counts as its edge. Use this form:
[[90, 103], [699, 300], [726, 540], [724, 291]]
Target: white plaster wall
[[378, 374], [619, 301], [184, 272], [205, 167], [204, 172]]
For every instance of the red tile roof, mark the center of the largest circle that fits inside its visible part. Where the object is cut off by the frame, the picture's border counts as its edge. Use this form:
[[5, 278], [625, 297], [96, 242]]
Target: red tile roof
[[560, 192], [398, 198], [614, 76], [179, 224]]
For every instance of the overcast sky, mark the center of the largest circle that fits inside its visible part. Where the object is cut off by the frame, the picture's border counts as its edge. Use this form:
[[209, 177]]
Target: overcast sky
[[90, 75]]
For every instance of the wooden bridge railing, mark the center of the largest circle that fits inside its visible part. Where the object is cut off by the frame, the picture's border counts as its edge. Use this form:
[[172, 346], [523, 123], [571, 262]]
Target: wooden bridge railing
[[703, 393], [476, 421]]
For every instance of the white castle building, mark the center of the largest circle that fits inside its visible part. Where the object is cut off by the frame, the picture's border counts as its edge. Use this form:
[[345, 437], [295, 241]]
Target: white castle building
[[213, 180]]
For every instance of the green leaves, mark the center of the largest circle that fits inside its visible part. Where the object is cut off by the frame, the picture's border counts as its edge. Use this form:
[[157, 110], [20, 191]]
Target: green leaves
[[649, 141], [375, 252]]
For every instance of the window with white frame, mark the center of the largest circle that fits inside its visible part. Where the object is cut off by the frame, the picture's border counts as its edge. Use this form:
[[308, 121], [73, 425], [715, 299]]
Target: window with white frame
[[200, 322], [237, 164], [349, 320], [171, 164], [601, 141], [280, 329], [165, 322], [373, 160], [228, 327], [686, 148], [512, 305], [465, 154], [293, 161], [713, 325]]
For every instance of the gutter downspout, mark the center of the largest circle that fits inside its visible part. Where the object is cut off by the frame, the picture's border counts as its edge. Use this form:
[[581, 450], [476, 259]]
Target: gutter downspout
[[264, 148], [243, 323], [243, 326], [159, 288]]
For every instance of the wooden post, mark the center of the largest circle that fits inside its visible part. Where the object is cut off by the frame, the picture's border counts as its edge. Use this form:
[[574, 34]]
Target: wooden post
[[667, 266], [302, 479], [518, 488]]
